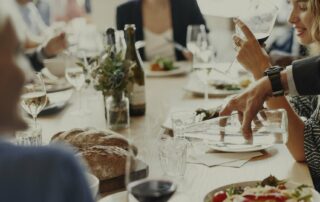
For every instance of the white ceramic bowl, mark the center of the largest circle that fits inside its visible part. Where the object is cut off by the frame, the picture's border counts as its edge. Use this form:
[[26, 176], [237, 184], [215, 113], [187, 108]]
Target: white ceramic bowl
[[93, 182], [57, 65]]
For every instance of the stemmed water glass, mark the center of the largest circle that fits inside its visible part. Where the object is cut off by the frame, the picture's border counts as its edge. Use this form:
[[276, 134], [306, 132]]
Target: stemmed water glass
[[203, 59], [34, 96], [260, 19], [193, 31], [76, 77], [147, 189]]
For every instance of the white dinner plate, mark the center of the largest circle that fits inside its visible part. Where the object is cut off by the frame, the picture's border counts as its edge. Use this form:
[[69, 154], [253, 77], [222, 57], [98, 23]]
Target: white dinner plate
[[182, 68], [209, 196], [197, 87], [117, 197], [57, 101], [225, 147]]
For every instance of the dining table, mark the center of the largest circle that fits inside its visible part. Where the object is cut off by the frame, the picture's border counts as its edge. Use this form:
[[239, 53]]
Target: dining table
[[162, 95]]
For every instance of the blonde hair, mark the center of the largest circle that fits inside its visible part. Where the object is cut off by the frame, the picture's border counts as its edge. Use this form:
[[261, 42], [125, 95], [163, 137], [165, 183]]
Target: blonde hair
[[314, 6]]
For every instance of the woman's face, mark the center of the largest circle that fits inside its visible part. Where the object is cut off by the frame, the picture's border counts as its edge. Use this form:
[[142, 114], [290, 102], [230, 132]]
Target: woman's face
[[11, 80], [301, 18]]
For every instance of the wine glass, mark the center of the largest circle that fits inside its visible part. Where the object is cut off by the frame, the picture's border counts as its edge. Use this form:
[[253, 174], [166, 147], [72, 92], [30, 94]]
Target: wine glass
[[260, 19], [76, 77], [203, 57], [34, 96], [146, 189], [193, 31]]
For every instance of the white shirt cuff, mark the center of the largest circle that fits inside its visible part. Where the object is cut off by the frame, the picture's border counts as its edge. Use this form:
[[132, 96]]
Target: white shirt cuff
[[291, 85]]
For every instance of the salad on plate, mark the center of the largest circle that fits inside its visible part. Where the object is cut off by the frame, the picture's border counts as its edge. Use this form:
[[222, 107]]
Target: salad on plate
[[268, 190]]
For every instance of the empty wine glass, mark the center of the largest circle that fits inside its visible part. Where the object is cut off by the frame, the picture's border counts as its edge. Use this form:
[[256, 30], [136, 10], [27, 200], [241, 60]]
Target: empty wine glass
[[193, 31], [34, 96], [260, 19], [145, 189], [75, 76], [203, 57]]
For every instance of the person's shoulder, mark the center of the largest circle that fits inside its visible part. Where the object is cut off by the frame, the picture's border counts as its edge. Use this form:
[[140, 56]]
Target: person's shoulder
[[128, 5], [44, 153]]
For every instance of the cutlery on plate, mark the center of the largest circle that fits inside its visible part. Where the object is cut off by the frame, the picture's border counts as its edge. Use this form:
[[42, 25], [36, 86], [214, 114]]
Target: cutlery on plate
[[177, 45]]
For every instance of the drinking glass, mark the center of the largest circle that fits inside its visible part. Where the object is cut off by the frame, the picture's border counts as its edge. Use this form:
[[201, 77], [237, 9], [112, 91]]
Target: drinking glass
[[173, 156], [180, 119], [203, 60], [268, 127], [147, 189], [34, 96], [260, 19], [193, 31], [76, 77], [30, 137]]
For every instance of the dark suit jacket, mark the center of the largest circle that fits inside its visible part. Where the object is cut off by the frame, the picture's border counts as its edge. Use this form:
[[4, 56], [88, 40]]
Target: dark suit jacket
[[184, 13], [306, 75]]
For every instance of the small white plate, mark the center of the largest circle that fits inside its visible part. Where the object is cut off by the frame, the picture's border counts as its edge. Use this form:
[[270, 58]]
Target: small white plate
[[57, 101], [208, 197], [197, 87], [225, 147], [182, 68]]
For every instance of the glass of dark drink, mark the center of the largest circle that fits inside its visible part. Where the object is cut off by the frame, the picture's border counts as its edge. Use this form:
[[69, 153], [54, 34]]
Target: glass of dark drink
[[260, 18], [147, 189]]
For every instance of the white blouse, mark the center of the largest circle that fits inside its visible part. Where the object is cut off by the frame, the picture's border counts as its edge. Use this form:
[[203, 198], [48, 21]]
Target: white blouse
[[157, 45]]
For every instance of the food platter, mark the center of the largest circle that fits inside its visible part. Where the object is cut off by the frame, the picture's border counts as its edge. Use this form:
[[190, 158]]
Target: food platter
[[57, 102], [289, 185]]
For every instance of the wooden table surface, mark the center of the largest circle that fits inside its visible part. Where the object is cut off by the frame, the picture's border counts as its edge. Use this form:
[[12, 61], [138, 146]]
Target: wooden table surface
[[162, 94]]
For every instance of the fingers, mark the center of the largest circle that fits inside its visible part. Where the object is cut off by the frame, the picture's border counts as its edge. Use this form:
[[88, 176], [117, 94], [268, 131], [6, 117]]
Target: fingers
[[246, 31], [238, 42], [246, 125]]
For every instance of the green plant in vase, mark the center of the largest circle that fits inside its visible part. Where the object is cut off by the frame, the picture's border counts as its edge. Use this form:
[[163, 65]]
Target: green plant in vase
[[113, 77]]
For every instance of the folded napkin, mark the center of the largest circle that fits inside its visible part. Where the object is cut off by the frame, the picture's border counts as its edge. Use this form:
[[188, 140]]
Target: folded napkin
[[222, 159]]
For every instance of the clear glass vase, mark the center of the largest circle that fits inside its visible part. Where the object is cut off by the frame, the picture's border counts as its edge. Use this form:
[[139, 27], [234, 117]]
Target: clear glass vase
[[117, 108]]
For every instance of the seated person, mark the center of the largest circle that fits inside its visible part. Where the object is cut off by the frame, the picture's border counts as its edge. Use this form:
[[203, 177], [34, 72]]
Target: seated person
[[37, 48], [30, 174], [158, 22], [304, 135]]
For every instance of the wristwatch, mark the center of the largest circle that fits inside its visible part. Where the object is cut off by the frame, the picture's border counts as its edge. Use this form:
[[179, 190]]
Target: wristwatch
[[273, 74]]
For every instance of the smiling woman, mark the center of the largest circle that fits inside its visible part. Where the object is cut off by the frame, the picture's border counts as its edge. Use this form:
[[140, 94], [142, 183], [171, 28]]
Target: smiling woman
[[304, 135]]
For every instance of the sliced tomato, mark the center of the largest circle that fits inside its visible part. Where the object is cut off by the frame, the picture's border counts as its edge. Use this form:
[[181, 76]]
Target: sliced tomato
[[219, 197]]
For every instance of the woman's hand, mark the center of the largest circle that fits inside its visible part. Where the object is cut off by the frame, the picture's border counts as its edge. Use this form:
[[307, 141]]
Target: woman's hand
[[250, 54], [55, 45]]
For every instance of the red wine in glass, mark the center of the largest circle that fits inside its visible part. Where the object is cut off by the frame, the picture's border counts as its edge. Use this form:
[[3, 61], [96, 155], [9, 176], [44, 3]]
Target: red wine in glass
[[261, 37], [152, 190]]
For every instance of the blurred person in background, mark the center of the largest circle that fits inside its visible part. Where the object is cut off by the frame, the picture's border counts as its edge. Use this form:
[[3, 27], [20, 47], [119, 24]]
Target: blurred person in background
[[304, 132], [159, 22], [29, 174], [45, 8], [37, 46]]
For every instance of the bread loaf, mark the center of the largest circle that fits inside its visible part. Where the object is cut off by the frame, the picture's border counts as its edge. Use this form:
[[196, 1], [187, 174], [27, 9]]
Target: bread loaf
[[105, 162], [81, 139], [105, 152]]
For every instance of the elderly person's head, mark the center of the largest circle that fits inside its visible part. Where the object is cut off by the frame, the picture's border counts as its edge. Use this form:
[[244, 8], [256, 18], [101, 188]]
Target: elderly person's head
[[11, 77]]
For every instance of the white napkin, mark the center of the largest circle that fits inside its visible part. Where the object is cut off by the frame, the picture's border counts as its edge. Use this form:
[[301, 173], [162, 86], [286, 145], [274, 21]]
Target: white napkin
[[222, 159]]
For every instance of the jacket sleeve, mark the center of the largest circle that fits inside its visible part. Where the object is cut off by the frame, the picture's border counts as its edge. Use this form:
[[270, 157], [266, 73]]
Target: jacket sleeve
[[306, 75], [37, 65], [196, 16]]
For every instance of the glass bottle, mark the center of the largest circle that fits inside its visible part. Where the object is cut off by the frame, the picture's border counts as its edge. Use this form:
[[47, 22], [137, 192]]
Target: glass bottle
[[136, 91], [117, 107]]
